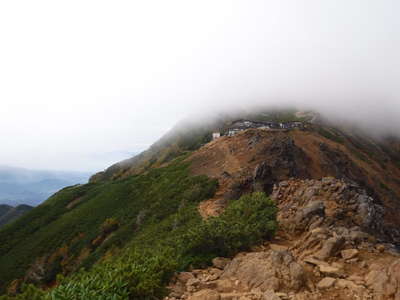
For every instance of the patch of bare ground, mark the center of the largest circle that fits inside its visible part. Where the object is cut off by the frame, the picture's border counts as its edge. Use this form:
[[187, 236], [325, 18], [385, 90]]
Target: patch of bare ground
[[279, 155]]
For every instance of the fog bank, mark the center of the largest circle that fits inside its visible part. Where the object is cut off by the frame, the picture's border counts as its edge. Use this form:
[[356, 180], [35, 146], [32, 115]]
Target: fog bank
[[85, 83]]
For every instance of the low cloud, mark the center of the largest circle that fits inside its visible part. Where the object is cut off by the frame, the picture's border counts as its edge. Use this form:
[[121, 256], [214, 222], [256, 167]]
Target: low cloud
[[120, 76]]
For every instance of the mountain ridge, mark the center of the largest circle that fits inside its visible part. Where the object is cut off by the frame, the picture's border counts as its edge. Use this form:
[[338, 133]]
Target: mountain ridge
[[144, 201], [25, 186]]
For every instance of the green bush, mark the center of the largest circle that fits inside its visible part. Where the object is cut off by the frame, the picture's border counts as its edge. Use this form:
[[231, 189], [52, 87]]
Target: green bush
[[331, 135], [246, 222], [109, 225]]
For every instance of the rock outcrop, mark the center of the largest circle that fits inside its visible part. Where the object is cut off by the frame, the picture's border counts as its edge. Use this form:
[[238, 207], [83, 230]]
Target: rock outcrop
[[332, 244], [271, 270]]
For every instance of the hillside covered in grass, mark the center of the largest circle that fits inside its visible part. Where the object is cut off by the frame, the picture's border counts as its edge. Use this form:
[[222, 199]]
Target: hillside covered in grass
[[139, 231]]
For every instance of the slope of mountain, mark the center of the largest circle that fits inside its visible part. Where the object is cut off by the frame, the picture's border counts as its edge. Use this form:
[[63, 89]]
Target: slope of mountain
[[22, 186], [188, 200], [9, 213]]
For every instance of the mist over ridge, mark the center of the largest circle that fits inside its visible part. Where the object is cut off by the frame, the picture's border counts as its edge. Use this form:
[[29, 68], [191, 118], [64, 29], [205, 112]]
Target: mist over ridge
[[122, 84], [374, 119]]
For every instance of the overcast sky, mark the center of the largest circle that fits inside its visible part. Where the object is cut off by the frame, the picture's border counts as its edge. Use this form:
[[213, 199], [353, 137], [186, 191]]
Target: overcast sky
[[84, 84]]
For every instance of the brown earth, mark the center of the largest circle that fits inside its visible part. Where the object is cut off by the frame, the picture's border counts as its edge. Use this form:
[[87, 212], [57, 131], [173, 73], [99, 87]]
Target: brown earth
[[257, 159]]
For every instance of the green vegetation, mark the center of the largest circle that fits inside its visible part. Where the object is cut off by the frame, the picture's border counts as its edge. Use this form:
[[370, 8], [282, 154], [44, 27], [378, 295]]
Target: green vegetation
[[277, 115], [182, 139], [180, 240], [360, 156], [384, 186], [331, 135], [124, 239], [54, 237], [246, 222], [368, 150]]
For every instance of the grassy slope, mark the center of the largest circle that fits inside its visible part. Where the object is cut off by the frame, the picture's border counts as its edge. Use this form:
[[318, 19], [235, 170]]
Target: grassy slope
[[52, 225], [171, 238], [143, 268]]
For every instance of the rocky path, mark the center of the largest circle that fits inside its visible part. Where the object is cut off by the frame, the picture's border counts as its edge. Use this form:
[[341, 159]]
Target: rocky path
[[331, 245]]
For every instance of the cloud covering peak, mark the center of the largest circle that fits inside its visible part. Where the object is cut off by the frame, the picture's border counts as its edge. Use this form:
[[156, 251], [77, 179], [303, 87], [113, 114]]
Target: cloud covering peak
[[84, 78]]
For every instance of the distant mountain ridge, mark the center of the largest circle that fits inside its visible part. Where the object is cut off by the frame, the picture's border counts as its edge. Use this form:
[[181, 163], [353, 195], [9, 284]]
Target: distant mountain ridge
[[24, 186]]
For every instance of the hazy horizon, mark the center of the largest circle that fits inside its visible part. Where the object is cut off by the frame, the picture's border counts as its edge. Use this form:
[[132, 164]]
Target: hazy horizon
[[88, 83]]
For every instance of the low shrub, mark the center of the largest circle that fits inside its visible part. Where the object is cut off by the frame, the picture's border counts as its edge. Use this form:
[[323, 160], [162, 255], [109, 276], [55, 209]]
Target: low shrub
[[173, 242], [246, 222], [145, 268]]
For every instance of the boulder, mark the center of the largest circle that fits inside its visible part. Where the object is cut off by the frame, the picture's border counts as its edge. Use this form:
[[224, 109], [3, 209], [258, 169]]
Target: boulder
[[330, 203], [192, 282], [330, 271], [331, 247], [357, 279], [236, 296], [184, 277], [312, 208], [220, 262], [314, 261], [380, 248], [205, 295], [343, 283], [225, 286], [326, 283], [349, 253], [276, 247], [272, 270], [270, 295], [385, 280], [177, 290], [215, 271]]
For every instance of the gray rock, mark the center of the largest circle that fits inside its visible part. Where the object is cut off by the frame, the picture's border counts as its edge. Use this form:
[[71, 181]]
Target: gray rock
[[313, 208], [270, 270], [331, 247]]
